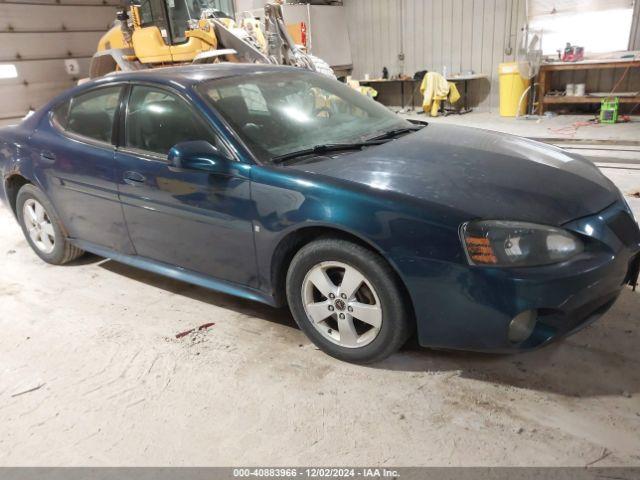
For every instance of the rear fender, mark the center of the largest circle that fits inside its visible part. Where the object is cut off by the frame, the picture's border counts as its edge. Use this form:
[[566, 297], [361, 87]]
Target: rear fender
[[16, 159]]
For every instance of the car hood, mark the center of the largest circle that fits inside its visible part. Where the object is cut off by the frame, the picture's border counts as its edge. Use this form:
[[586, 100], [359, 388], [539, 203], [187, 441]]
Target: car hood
[[480, 173]]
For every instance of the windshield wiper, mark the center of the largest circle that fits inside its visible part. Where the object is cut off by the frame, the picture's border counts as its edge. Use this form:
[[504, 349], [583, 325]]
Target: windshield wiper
[[396, 132], [320, 149]]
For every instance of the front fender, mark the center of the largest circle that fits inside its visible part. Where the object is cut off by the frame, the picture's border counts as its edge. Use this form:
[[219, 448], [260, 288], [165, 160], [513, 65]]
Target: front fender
[[287, 201]]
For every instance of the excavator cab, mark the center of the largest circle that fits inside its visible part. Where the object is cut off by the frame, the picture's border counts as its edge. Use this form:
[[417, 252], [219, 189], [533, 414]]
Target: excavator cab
[[159, 32], [175, 18]]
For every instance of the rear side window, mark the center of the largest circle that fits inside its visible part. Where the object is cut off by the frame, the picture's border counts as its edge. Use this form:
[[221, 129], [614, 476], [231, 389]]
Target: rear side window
[[157, 120], [91, 114]]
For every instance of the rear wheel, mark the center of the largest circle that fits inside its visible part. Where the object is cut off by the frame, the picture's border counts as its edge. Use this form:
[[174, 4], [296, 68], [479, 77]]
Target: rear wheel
[[42, 228], [348, 301]]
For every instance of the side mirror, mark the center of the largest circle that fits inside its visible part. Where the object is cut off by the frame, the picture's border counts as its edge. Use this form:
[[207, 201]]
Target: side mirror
[[199, 155]]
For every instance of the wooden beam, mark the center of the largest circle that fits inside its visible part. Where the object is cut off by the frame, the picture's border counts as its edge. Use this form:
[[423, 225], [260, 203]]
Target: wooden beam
[[588, 65], [568, 100]]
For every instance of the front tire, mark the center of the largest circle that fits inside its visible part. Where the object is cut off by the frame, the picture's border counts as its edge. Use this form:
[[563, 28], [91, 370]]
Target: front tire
[[348, 301], [42, 227]]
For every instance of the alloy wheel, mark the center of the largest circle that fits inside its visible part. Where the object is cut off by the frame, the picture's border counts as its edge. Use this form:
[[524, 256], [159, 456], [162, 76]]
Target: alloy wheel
[[39, 226], [342, 304]]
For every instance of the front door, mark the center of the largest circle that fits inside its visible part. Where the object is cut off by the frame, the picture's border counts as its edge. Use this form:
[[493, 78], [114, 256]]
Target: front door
[[196, 220]]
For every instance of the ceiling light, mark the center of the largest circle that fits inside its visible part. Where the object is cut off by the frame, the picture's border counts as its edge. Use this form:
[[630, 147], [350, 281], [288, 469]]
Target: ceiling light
[[8, 70]]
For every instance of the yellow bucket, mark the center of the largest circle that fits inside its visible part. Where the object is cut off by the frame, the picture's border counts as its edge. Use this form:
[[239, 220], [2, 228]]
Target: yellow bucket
[[512, 86]]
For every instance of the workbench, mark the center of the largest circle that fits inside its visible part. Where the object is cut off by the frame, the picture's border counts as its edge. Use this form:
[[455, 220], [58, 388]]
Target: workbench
[[464, 92], [547, 69], [411, 87], [402, 85]]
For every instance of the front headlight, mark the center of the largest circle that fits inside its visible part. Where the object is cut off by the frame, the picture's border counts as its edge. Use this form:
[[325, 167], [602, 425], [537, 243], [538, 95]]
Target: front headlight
[[517, 244]]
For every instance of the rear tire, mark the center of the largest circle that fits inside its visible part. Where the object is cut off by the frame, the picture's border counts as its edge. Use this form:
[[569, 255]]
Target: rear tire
[[348, 301], [42, 228]]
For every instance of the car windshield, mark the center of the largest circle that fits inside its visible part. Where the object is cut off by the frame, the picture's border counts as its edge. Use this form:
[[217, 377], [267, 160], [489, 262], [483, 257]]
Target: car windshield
[[280, 113]]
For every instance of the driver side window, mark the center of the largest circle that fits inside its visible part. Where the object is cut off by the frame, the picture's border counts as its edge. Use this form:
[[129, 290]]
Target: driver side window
[[157, 120]]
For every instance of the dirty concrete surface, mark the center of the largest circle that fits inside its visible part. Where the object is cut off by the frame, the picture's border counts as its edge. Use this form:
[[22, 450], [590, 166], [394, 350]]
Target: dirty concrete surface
[[563, 127], [91, 373]]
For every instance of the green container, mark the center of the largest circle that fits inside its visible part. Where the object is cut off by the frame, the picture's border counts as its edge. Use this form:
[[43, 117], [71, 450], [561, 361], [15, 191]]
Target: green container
[[609, 110]]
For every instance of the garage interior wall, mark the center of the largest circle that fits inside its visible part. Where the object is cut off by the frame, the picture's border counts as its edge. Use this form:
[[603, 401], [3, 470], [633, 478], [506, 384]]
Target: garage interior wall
[[37, 36], [634, 39], [247, 5], [460, 35]]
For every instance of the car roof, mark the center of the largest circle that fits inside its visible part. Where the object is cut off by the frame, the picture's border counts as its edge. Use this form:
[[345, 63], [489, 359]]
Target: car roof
[[188, 75], [182, 77]]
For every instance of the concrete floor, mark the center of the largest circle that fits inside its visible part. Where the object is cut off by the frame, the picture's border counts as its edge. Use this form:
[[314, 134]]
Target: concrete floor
[[559, 126], [91, 373]]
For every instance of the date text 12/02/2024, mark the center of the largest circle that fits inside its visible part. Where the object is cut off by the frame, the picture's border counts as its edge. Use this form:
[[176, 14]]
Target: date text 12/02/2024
[[316, 472]]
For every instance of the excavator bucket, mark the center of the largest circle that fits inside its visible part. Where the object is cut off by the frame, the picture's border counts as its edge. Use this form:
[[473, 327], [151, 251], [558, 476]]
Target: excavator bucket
[[244, 51]]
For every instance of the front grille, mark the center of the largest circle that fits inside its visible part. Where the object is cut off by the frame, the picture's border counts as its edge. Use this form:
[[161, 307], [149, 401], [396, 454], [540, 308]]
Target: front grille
[[625, 228]]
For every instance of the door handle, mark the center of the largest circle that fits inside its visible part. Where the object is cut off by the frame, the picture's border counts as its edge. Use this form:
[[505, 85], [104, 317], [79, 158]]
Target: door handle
[[47, 156], [133, 178]]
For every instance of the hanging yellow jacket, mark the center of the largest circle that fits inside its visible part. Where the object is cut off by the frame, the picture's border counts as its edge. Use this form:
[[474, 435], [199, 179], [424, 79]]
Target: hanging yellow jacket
[[435, 88]]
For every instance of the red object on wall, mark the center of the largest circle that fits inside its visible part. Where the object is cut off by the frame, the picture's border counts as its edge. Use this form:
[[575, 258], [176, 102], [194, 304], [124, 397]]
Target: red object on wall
[[303, 33]]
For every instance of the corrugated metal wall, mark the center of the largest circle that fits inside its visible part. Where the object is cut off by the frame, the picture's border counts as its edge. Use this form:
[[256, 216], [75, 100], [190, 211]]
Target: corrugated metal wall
[[634, 39], [37, 36], [459, 34]]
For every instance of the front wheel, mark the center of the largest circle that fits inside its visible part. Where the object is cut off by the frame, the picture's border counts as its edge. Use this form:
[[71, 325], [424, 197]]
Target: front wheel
[[348, 301]]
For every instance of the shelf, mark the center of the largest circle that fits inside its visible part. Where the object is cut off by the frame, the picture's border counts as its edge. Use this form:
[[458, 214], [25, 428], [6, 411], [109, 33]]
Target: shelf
[[549, 99], [547, 70], [590, 64]]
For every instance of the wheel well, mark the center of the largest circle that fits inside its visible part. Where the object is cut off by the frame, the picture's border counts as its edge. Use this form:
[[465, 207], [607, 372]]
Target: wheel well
[[12, 186], [291, 244]]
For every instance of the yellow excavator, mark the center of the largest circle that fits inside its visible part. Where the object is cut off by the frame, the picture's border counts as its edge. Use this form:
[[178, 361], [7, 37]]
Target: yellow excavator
[[155, 33]]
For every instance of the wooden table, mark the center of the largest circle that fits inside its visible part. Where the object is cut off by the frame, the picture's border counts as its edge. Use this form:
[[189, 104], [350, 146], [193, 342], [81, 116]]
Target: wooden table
[[544, 81]]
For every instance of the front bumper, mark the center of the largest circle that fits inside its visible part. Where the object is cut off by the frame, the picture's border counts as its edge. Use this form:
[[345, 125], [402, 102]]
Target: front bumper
[[470, 308]]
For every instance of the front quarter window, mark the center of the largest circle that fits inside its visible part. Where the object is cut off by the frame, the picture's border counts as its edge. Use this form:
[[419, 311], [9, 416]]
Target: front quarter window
[[280, 113]]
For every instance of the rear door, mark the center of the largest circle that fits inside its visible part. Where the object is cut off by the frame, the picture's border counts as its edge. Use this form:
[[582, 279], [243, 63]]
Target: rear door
[[195, 220], [76, 152]]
